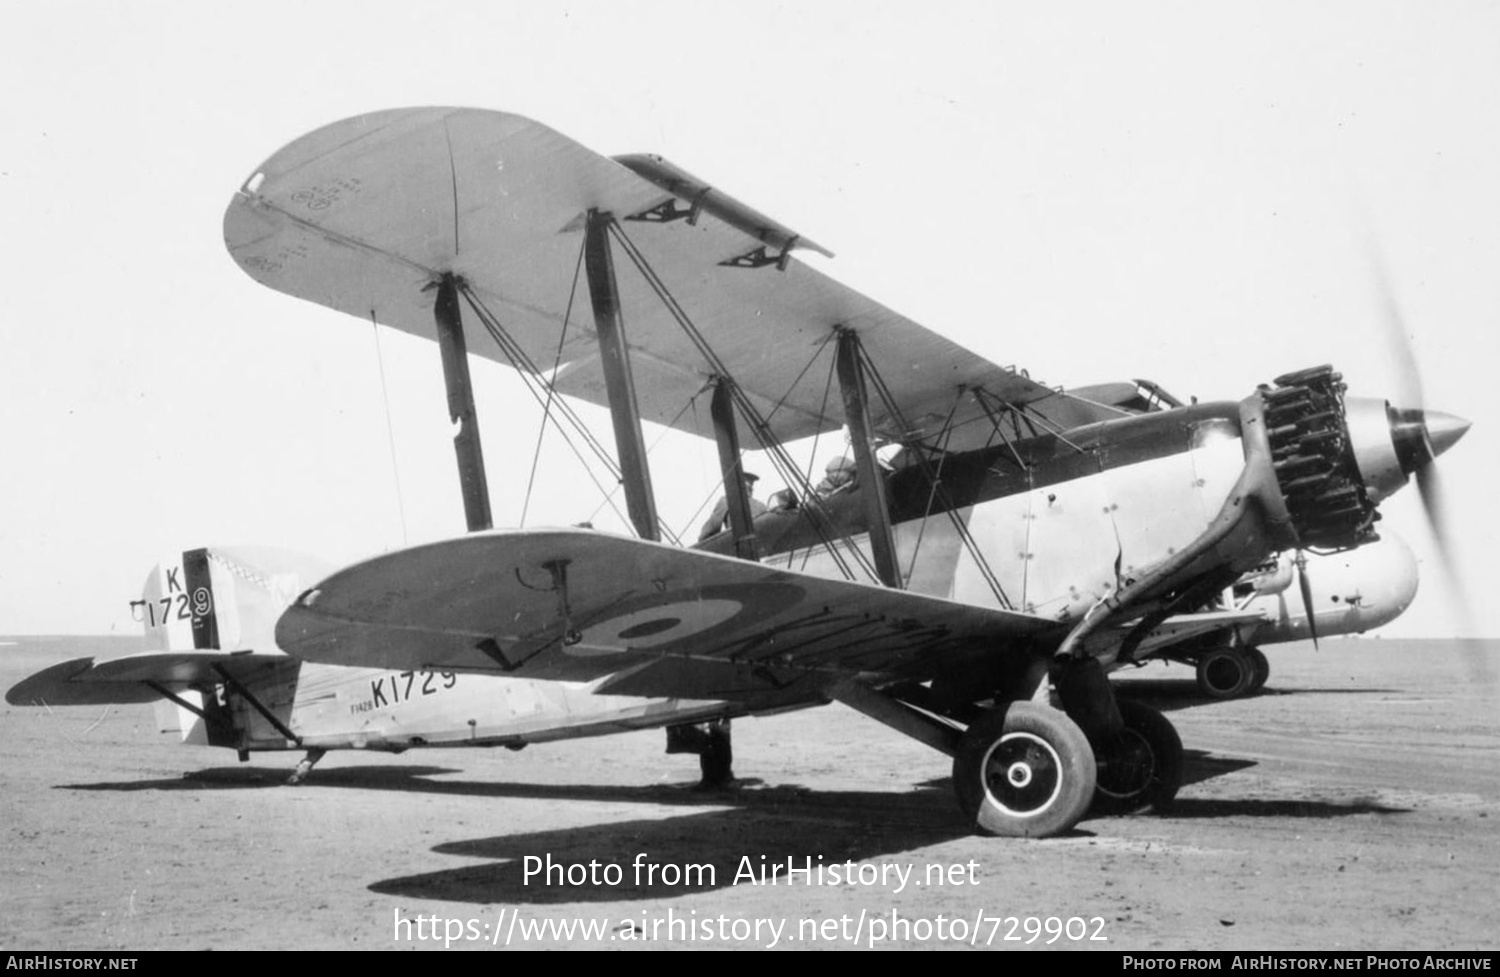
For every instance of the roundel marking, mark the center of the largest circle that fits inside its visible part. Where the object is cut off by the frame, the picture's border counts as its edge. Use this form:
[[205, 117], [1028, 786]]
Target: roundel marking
[[652, 626], [658, 626]]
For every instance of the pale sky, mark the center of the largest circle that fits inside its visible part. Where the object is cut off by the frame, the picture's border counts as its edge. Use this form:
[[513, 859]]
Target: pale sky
[[1186, 192]]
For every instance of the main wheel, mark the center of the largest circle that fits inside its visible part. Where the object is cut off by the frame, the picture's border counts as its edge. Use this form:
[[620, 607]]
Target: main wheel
[[1141, 768], [1262, 670], [1225, 673], [1024, 770]]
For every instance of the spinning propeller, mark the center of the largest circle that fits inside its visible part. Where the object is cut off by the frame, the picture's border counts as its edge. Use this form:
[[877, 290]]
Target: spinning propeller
[[1419, 435], [1337, 457]]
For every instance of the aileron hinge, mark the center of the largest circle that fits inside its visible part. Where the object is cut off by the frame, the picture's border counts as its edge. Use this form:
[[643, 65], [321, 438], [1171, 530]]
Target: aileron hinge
[[672, 210], [761, 257]]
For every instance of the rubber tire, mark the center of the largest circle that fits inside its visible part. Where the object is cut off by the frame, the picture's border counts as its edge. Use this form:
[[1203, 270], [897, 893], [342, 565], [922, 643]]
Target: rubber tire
[[1140, 770], [1262, 670], [1046, 749], [1225, 673]]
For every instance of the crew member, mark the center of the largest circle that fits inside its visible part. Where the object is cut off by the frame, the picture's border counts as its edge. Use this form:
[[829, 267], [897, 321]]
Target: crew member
[[838, 477], [718, 520]]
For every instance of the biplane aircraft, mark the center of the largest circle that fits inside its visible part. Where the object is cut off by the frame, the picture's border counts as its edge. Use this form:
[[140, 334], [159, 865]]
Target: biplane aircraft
[[971, 586], [259, 699]]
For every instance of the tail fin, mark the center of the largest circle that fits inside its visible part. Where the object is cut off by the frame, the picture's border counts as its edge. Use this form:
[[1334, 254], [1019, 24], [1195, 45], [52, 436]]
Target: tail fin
[[218, 598], [222, 598]]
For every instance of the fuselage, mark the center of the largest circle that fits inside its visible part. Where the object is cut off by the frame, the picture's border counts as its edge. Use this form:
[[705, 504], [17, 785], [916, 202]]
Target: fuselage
[[1058, 521], [337, 707], [1051, 524]]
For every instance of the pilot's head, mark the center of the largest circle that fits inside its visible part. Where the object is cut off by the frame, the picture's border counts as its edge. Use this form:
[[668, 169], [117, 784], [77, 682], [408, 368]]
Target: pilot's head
[[840, 471]]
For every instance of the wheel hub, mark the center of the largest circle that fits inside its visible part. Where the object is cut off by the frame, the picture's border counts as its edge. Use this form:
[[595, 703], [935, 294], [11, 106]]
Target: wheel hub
[[1126, 766], [1019, 775], [1023, 774], [1225, 674]]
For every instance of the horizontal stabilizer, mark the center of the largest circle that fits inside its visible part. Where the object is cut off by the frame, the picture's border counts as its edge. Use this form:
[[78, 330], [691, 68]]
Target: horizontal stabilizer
[[85, 682]]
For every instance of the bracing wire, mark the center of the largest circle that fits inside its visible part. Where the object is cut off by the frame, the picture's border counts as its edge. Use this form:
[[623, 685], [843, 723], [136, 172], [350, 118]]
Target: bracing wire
[[760, 427], [390, 430], [531, 377], [998, 426], [944, 500], [1033, 419], [676, 538], [543, 391], [935, 483], [562, 338]]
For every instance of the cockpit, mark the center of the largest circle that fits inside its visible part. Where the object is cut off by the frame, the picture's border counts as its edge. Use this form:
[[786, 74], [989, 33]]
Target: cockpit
[[1135, 396]]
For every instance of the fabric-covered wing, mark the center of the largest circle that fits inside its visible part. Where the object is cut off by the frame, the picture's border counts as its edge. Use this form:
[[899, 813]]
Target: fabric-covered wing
[[579, 605], [364, 214]]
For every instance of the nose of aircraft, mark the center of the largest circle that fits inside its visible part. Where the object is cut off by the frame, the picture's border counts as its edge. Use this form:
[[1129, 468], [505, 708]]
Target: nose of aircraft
[[1419, 436], [1392, 443], [1444, 430]]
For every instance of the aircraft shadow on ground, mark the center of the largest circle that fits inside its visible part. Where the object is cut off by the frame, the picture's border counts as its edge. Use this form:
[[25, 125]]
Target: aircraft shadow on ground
[[688, 853], [762, 828], [748, 792], [1168, 695], [257, 778], [416, 779], [1191, 808], [764, 824]]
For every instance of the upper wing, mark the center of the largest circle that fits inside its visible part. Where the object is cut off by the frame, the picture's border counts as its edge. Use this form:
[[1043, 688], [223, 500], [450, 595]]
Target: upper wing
[[579, 605], [364, 214]]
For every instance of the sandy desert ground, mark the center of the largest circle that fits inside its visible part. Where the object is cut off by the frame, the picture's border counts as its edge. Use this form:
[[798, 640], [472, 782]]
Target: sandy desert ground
[[1353, 805]]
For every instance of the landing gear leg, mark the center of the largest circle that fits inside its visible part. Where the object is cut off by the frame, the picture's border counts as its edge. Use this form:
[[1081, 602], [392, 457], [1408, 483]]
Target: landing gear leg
[[716, 762], [305, 766], [713, 744], [1024, 770]]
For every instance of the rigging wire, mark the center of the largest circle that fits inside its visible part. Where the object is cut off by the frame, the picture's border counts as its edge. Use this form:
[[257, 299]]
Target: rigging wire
[[390, 430], [998, 425], [760, 427], [936, 481], [1033, 419], [945, 500], [817, 351], [782, 461], [541, 432], [531, 376], [812, 456], [675, 538]]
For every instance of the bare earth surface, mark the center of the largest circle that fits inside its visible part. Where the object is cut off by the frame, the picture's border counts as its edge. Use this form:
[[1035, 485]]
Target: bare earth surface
[[1353, 805]]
